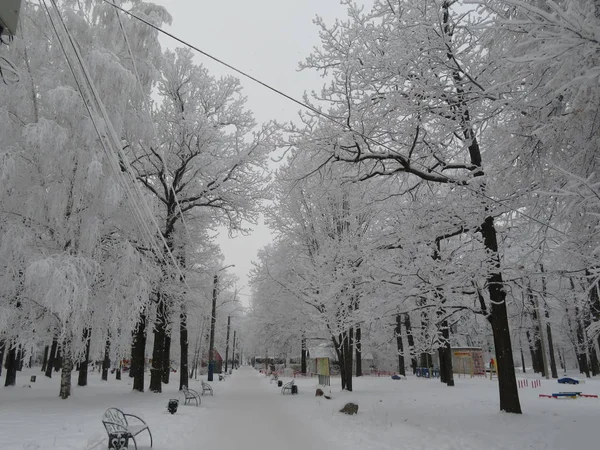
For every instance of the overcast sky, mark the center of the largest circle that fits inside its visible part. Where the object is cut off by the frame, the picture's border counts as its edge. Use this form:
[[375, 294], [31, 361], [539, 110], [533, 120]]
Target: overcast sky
[[267, 39]]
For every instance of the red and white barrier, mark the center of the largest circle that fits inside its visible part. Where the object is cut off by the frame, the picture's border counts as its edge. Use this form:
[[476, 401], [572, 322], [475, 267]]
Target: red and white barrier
[[523, 383]]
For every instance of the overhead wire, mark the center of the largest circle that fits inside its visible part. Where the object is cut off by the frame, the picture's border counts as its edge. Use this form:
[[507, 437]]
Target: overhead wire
[[152, 124], [327, 116], [110, 142]]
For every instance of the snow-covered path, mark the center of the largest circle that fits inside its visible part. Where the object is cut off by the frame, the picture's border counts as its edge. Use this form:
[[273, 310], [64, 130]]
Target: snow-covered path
[[252, 412]]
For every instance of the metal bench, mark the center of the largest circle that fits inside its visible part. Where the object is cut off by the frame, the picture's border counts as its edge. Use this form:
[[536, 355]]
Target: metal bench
[[206, 388], [190, 395], [289, 387], [115, 422]]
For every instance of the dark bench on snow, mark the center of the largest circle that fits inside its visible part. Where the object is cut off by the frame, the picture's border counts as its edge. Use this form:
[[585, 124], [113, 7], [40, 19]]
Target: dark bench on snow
[[289, 387], [116, 424], [206, 388], [190, 396]]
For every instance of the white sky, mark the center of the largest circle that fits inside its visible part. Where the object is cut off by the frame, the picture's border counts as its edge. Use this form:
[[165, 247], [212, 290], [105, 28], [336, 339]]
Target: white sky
[[267, 39]]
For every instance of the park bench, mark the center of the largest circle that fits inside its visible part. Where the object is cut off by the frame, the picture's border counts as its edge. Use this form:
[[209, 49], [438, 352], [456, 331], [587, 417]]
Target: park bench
[[289, 387], [115, 422], [190, 396], [206, 388]]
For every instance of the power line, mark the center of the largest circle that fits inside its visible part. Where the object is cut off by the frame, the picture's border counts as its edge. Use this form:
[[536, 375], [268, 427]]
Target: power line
[[325, 115]]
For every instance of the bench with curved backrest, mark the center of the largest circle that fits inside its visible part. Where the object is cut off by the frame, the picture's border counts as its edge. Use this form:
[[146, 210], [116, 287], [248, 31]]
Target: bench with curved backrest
[[206, 388], [190, 396], [288, 387], [115, 421]]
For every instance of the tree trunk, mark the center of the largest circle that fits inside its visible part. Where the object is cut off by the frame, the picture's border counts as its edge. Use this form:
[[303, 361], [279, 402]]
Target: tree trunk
[[106, 360], [227, 343], [537, 336], [400, 345], [303, 357], [534, 358], [507, 381], [498, 317], [166, 359], [358, 345], [553, 370], [184, 346], [138, 354], [157, 352], [58, 359], [67, 369], [523, 361], [20, 357], [582, 358], [83, 365], [50, 364], [11, 366], [118, 372], [45, 360], [2, 350], [348, 341], [411, 343], [445, 355]]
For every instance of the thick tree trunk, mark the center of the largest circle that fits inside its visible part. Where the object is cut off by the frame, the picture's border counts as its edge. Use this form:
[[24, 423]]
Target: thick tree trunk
[[594, 363], [52, 357], [582, 358], [58, 359], [411, 343], [400, 345], [532, 352], [11, 366], [166, 374], [348, 358], [358, 345], [184, 346], [553, 370], [138, 354], [67, 369], [498, 318], [45, 360], [507, 382], [106, 360], [303, 357], [83, 365], [159, 343], [537, 343], [445, 355], [20, 358]]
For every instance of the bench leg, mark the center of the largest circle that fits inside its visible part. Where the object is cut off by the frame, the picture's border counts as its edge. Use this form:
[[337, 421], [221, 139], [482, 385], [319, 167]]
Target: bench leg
[[134, 443], [150, 437]]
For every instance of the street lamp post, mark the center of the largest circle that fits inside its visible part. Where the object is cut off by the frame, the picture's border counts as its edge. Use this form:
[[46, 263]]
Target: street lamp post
[[213, 319]]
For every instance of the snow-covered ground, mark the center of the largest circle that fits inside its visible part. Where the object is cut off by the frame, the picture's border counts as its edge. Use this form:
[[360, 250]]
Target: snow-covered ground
[[249, 412]]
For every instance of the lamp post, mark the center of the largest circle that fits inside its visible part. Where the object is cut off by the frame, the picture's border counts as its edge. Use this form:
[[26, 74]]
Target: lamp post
[[213, 319]]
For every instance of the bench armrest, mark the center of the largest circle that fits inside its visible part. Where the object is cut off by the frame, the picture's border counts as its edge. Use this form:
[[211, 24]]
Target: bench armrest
[[191, 391]]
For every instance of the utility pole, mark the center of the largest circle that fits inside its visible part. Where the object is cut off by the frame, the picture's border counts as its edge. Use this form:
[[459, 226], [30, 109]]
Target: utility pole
[[227, 343]]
